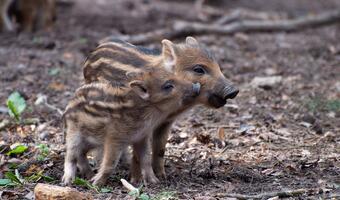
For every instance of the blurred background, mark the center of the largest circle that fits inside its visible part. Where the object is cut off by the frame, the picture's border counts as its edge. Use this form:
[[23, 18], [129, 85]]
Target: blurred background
[[282, 131]]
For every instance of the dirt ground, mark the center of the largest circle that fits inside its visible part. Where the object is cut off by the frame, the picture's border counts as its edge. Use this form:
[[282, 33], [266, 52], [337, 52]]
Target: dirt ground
[[276, 137]]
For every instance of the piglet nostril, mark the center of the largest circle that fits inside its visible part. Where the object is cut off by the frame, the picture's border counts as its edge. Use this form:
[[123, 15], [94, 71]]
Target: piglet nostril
[[231, 94]]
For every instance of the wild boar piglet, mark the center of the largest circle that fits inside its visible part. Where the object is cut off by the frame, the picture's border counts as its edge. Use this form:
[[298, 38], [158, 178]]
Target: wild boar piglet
[[27, 15], [190, 60], [114, 117]]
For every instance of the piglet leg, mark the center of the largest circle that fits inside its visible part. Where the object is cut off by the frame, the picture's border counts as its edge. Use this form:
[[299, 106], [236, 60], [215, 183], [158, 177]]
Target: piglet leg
[[135, 172], [112, 152], [141, 151]]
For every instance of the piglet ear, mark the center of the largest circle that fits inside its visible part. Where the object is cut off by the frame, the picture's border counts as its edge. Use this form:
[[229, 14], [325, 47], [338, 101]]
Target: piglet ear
[[140, 89], [169, 55], [191, 41]]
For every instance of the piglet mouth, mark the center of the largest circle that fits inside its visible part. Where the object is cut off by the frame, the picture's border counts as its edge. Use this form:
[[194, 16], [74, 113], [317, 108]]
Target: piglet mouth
[[218, 101]]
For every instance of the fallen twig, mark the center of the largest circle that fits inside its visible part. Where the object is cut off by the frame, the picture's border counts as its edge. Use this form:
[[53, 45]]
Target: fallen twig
[[42, 99], [183, 28], [241, 14], [286, 193], [199, 9], [52, 107]]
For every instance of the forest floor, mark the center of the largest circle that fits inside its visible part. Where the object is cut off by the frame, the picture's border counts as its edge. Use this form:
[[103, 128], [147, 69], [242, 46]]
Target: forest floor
[[275, 137]]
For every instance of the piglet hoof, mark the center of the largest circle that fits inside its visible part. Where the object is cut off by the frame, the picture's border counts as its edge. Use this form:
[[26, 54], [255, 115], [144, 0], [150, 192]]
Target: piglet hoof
[[98, 180], [134, 180], [159, 171], [150, 178], [67, 180], [88, 174], [161, 175]]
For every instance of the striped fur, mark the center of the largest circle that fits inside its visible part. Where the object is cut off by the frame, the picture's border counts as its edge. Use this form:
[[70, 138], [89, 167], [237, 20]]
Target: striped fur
[[111, 61]]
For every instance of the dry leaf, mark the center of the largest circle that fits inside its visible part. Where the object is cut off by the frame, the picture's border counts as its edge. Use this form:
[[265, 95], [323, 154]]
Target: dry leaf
[[56, 86], [221, 133]]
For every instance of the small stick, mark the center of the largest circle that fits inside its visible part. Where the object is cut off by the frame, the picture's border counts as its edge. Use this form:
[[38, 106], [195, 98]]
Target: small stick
[[241, 14], [284, 193]]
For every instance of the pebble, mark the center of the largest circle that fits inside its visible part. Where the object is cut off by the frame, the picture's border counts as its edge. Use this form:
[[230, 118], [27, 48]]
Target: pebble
[[266, 83]]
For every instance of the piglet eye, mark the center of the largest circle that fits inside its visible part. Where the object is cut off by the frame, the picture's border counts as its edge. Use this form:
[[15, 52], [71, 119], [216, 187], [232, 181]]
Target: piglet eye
[[199, 69], [168, 86]]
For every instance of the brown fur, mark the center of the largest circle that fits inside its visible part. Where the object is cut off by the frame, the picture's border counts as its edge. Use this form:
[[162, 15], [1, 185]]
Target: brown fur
[[102, 114], [181, 59], [30, 15]]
